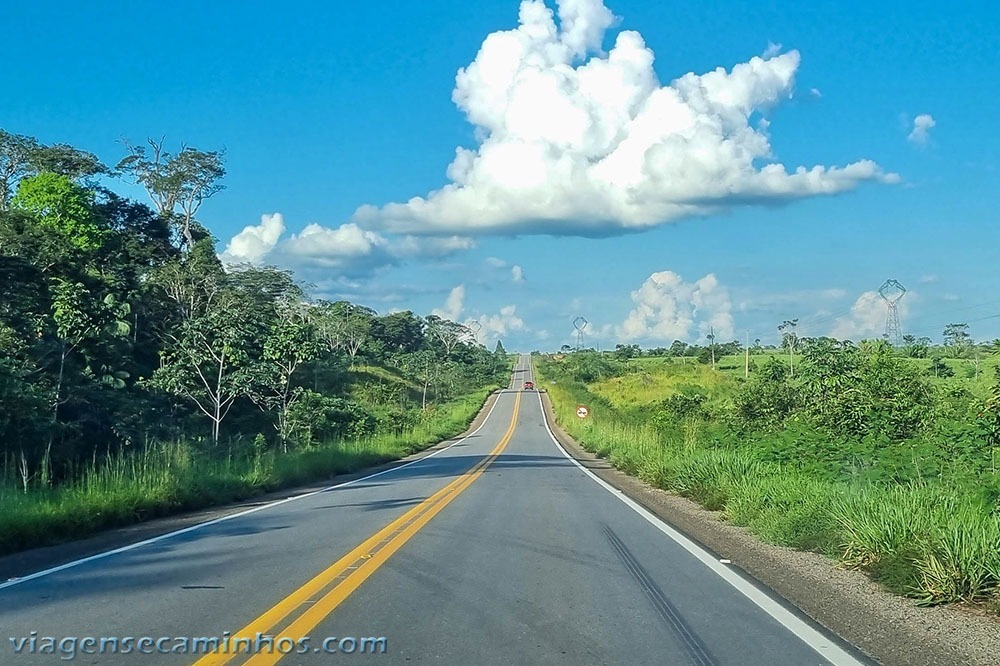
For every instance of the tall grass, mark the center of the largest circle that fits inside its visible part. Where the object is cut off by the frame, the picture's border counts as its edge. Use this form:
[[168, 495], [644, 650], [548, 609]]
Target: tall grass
[[170, 477], [934, 540]]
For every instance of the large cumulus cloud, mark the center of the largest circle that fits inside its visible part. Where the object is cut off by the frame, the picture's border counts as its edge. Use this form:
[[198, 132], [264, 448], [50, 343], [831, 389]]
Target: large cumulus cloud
[[592, 146]]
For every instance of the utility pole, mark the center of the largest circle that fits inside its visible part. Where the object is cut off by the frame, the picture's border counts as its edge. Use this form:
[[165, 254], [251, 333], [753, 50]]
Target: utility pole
[[746, 371], [711, 337]]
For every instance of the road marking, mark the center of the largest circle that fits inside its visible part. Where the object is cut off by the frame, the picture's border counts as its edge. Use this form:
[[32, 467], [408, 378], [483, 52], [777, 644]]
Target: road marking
[[222, 519], [321, 595], [815, 639]]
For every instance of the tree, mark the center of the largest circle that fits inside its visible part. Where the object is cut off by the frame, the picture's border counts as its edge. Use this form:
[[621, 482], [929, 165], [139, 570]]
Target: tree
[[65, 160], [62, 206], [343, 326], [422, 365], [678, 348], [177, 184], [915, 347], [939, 368], [210, 358], [289, 344], [401, 332], [788, 340], [625, 352], [957, 338], [499, 350], [22, 398], [16, 153], [446, 332], [78, 318]]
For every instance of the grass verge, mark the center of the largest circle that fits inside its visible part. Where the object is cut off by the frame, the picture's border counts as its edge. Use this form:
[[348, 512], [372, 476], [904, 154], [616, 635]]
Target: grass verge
[[934, 541], [169, 478]]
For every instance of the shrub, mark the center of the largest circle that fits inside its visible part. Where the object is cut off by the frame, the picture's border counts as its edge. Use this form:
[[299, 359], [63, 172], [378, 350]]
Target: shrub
[[767, 399]]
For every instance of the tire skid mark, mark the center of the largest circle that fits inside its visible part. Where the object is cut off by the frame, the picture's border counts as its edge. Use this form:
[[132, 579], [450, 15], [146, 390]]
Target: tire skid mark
[[695, 648]]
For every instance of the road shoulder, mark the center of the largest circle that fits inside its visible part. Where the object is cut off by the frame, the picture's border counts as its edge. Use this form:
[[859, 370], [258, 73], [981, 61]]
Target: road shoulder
[[890, 629]]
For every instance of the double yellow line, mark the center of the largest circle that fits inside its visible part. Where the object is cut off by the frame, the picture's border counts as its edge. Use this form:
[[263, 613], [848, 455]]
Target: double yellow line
[[302, 610]]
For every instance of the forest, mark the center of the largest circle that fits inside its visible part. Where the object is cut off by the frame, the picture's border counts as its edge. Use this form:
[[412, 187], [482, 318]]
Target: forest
[[139, 375]]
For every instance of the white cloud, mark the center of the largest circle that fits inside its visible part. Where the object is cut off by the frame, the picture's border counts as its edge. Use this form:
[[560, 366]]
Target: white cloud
[[771, 50], [596, 146], [487, 328], [668, 308], [814, 92], [517, 273], [867, 317], [494, 327], [922, 125], [419, 246], [496, 262], [254, 243], [453, 305], [929, 279], [349, 250]]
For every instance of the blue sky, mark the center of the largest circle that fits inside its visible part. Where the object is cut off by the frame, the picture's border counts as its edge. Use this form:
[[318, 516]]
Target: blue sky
[[331, 107]]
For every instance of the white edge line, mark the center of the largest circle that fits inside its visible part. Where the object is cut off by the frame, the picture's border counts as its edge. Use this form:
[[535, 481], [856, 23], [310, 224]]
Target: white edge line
[[807, 634], [216, 521]]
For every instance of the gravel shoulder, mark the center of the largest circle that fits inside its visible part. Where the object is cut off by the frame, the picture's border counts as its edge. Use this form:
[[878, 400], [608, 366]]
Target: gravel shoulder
[[890, 629]]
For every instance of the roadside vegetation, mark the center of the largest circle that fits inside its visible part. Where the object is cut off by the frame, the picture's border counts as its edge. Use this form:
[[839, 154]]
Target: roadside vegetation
[[884, 458], [139, 376]]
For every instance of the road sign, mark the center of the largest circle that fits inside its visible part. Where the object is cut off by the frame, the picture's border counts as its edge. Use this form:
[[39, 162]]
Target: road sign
[[582, 412]]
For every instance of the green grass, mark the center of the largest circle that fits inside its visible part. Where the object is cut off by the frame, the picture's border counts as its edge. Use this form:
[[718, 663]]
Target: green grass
[[936, 539], [169, 478]]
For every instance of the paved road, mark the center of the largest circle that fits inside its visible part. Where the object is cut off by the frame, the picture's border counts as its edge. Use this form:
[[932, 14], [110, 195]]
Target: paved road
[[496, 550]]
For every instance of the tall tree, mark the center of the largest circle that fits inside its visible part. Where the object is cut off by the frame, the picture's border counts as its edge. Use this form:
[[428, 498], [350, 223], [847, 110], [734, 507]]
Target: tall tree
[[448, 333], [343, 326], [16, 153], [65, 160], [63, 206], [400, 332], [211, 356], [956, 336], [177, 184], [79, 319], [788, 340], [288, 345]]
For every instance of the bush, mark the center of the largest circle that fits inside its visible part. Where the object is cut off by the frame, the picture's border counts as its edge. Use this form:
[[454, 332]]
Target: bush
[[316, 417], [857, 391], [766, 400]]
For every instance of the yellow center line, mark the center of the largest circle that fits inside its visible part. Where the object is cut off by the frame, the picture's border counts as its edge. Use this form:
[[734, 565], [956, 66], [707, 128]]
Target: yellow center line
[[333, 585]]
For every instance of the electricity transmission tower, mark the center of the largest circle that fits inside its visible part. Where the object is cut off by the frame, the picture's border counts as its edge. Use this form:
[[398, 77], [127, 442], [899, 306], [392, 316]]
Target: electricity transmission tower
[[579, 324], [891, 292]]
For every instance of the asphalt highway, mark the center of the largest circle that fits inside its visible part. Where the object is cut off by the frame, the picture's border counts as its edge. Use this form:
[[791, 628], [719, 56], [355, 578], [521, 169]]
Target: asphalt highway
[[496, 550]]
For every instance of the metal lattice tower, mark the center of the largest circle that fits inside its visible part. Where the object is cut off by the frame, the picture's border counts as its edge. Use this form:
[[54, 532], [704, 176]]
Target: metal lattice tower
[[891, 292], [579, 324]]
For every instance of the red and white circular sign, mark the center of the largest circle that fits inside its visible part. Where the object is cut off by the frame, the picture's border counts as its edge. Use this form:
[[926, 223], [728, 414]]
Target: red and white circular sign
[[582, 412]]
